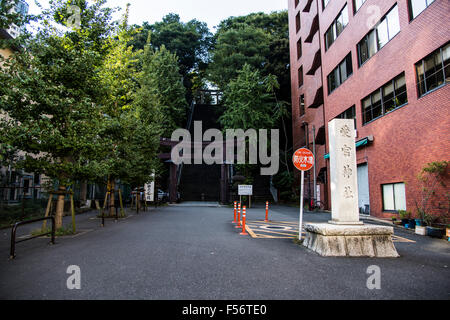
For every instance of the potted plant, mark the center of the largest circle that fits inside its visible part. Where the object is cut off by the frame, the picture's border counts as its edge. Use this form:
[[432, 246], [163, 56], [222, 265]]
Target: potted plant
[[404, 215], [432, 230], [432, 179], [412, 222], [421, 229], [420, 216]]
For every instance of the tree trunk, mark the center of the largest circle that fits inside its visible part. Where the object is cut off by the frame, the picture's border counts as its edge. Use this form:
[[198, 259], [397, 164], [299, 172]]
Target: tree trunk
[[83, 192], [60, 207]]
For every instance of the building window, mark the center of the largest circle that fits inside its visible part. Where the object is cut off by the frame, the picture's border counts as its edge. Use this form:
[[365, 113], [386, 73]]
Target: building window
[[350, 113], [357, 4], [325, 3], [386, 29], [394, 198], [300, 76], [433, 71], [340, 73], [336, 27], [297, 22], [417, 6], [302, 105], [299, 48], [389, 97]]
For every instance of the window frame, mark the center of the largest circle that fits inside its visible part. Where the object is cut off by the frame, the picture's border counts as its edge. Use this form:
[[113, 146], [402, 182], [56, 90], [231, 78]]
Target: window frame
[[395, 210], [374, 32], [302, 105], [338, 69], [410, 9], [380, 90], [334, 26], [343, 115], [324, 5], [421, 62], [354, 6]]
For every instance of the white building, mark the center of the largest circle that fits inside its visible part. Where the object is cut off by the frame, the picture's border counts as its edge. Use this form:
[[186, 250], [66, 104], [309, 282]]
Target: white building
[[21, 8]]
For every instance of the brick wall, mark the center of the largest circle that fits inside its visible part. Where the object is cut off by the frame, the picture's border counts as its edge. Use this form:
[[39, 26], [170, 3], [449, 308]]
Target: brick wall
[[407, 138]]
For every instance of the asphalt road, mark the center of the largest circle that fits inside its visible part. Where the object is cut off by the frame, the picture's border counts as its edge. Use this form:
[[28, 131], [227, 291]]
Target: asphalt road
[[195, 253]]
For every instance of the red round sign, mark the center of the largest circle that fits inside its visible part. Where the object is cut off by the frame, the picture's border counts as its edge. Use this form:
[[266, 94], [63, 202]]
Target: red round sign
[[303, 159]]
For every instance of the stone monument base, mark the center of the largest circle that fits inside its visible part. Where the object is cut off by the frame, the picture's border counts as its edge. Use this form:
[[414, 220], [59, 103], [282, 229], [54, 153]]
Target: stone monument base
[[356, 223], [331, 240]]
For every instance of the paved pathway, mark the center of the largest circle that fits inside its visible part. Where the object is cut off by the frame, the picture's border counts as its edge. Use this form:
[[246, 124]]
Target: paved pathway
[[196, 253]]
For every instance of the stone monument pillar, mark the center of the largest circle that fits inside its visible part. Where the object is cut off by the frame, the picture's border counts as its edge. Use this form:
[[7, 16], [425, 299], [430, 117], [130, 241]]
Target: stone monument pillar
[[345, 235], [343, 173]]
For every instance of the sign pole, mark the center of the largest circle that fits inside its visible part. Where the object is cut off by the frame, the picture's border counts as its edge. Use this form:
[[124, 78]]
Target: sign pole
[[300, 226], [304, 160]]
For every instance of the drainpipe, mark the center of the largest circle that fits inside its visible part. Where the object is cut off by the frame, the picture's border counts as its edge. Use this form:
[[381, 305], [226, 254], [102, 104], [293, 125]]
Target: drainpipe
[[314, 152], [306, 125]]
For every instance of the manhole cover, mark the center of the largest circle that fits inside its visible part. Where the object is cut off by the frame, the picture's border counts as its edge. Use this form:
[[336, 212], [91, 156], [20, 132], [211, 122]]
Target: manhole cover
[[284, 228]]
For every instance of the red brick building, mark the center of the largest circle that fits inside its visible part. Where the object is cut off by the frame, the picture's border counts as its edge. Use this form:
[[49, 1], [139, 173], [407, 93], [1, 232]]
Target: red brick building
[[385, 63]]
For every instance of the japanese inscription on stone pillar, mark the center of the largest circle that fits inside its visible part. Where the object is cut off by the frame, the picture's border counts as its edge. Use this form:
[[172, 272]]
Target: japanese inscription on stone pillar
[[344, 182]]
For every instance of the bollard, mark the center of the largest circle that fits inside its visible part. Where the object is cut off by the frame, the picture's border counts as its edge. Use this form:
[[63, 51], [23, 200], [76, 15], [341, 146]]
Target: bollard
[[239, 216], [235, 209], [267, 212], [244, 232]]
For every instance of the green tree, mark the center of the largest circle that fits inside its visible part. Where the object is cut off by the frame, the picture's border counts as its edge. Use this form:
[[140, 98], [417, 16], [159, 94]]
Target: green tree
[[138, 91], [250, 104], [249, 101], [162, 85], [51, 96], [234, 48], [190, 41], [118, 81], [273, 53], [261, 40]]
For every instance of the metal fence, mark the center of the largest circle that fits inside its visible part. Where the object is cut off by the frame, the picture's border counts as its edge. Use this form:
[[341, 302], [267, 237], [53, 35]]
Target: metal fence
[[19, 201]]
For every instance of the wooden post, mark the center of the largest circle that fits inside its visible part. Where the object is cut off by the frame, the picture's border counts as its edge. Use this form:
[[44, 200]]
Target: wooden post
[[72, 207], [138, 202], [132, 200], [102, 212], [47, 211], [106, 199], [122, 212]]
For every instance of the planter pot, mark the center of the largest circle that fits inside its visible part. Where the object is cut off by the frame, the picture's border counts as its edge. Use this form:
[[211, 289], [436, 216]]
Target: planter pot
[[412, 223], [405, 221], [419, 222], [421, 230], [435, 232], [448, 234]]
